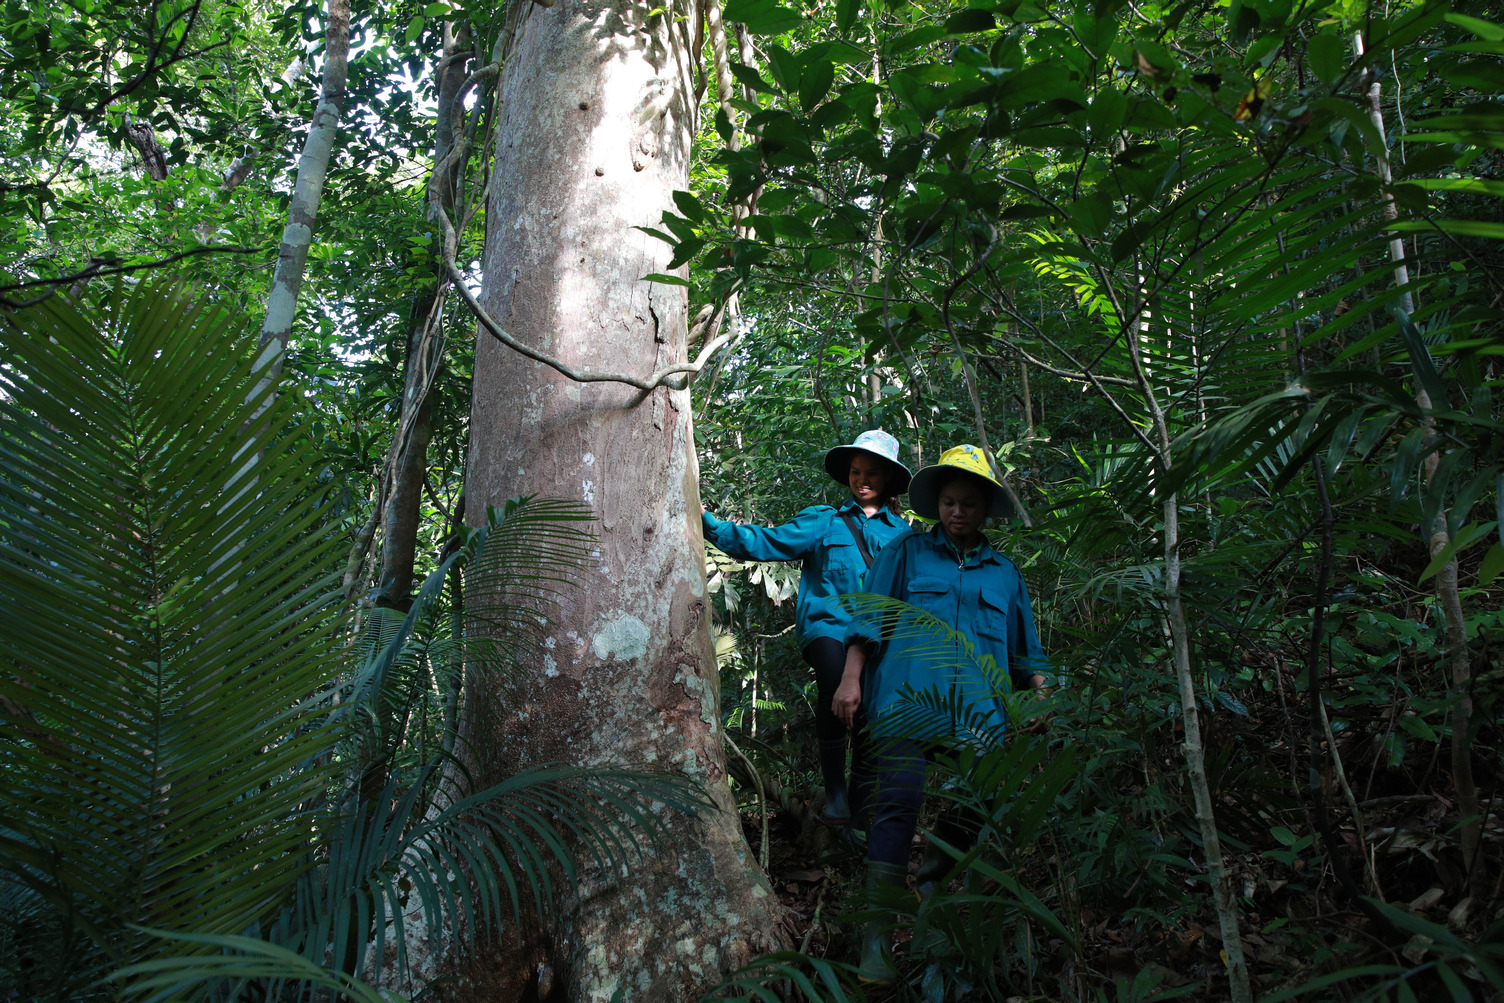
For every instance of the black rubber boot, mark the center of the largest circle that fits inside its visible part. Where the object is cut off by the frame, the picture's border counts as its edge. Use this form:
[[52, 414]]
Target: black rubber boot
[[876, 964], [833, 772], [854, 833], [932, 868]]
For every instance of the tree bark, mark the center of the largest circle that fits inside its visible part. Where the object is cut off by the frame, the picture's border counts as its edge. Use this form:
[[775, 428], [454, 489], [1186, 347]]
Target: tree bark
[[409, 468], [595, 135], [144, 139], [1223, 895], [1023, 382], [1381, 165]]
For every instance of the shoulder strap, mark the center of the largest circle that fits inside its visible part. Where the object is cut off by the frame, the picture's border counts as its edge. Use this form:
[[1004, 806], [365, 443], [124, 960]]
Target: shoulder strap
[[856, 532]]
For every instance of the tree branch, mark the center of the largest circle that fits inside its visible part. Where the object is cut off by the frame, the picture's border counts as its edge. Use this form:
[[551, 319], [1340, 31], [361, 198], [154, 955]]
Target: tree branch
[[308, 188], [146, 74], [93, 271], [1040, 364]]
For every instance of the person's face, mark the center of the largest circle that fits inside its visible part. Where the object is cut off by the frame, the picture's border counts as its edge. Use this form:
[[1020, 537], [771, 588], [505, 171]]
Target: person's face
[[963, 509], [868, 478]]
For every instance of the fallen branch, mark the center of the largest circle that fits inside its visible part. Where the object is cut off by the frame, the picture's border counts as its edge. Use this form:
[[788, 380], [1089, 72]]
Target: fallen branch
[[814, 923]]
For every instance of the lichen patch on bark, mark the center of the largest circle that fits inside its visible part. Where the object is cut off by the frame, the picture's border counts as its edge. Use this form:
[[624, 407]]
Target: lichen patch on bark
[[625, 637]]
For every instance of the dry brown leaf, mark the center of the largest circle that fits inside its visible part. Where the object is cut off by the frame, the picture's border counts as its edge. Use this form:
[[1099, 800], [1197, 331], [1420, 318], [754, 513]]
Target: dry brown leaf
[[808, 876], [1426, 899]]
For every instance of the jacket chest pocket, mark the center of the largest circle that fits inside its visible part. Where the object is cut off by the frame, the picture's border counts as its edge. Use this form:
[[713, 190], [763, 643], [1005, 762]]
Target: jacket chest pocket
[[843, 562], [992, 619], [935, 596]]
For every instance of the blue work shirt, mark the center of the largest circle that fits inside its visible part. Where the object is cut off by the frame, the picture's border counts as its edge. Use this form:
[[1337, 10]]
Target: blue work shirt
[[833, 565], [981, 596]]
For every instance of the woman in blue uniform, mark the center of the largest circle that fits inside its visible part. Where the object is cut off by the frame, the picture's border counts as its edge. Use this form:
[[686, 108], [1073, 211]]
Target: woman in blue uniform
[[836, 546], [952, 573]]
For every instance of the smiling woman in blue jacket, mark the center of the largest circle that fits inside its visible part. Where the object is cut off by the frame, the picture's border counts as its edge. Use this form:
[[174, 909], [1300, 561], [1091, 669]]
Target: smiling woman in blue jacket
[[953, 574], [836, 546]]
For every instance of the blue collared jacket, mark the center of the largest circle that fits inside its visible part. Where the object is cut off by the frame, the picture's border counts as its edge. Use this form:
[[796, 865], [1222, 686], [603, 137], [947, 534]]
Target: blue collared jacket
[[832, 563], [983, 597]]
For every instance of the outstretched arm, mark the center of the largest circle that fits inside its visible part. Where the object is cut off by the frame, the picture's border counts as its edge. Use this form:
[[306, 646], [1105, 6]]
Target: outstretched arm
[[789, 542]]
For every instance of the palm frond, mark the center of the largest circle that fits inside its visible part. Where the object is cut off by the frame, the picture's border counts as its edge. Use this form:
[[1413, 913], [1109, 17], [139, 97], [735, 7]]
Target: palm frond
[[515, 568], [234, 964], [953, 709], [531, 554], [165, 600], [1010, 787], [414, 848], [820, 980], [177, 726], [459, 868]]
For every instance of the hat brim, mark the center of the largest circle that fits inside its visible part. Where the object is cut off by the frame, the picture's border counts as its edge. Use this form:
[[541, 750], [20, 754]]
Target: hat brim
[[838, 466], [924, 492]]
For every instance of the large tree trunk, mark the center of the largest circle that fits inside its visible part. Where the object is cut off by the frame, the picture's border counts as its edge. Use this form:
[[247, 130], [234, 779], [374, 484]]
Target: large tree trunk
[[595, 136]]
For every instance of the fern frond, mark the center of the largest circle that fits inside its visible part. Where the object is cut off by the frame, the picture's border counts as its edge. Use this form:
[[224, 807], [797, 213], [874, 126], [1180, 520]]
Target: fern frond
[[956, 708]]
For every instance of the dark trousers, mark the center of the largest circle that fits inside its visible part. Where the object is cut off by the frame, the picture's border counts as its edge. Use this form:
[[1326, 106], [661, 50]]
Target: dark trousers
[[827, 657], [898, 767]]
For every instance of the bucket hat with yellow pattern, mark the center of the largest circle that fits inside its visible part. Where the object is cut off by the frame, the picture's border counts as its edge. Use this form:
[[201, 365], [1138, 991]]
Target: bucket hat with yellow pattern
[[924, 489]]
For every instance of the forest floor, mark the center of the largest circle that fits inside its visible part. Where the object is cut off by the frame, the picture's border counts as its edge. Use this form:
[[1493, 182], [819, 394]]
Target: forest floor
[[817, 877], [1297, 924]]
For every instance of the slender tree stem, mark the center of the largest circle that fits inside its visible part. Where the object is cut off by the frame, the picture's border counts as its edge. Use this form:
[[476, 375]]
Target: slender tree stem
[[1381, 165], [1223, 896], [308, 189], [406, 467], [762, 796], [1317, 726], [1438, 538]]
